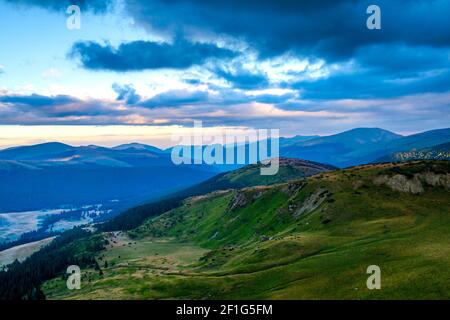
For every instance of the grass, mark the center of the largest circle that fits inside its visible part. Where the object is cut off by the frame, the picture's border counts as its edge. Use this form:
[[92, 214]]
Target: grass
[[22, 252], [249, 244], [128, 262]]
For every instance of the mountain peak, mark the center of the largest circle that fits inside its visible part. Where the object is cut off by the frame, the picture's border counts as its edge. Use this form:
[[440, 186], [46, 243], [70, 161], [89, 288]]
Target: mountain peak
[[371, 132], [355, 137], [34, 151], [48, 145], [137, 146]]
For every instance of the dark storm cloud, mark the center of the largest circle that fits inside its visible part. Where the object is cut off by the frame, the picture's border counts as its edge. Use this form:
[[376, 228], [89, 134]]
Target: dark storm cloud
[[401, 59], [327, 29], [410, 54], [384, 71], [331, 29], [141, 55], [368, 85]]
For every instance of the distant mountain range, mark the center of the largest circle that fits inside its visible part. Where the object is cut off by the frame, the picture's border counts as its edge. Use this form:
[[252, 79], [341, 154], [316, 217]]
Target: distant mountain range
[[58, 154], [54, 174], [349, 148], [362, 145]]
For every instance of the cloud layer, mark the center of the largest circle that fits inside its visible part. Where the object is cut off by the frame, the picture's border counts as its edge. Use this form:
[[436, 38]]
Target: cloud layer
[[142, 55], [283, 63]]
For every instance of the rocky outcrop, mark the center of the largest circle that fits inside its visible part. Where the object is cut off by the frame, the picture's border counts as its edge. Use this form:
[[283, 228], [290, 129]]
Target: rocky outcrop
[[400, 183], [292, 188], [245, 196], [414, 185], [311, 203], [435, 180], [239, 200]]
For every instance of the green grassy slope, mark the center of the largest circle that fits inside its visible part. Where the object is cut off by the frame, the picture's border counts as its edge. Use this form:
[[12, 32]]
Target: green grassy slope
[[250, 175], [244, 177], [306, 239]]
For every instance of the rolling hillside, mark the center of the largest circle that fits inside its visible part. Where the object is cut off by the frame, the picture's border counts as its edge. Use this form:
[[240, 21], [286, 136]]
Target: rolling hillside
[[289, 169], [247, 176], [310, 238]]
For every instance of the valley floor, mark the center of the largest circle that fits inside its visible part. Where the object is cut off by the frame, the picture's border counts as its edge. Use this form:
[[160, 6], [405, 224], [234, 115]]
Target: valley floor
[[304, 266], [149, 269], [129, 263]]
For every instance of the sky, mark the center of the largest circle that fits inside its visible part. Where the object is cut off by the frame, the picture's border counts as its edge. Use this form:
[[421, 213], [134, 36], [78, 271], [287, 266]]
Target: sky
[[139, 70]]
